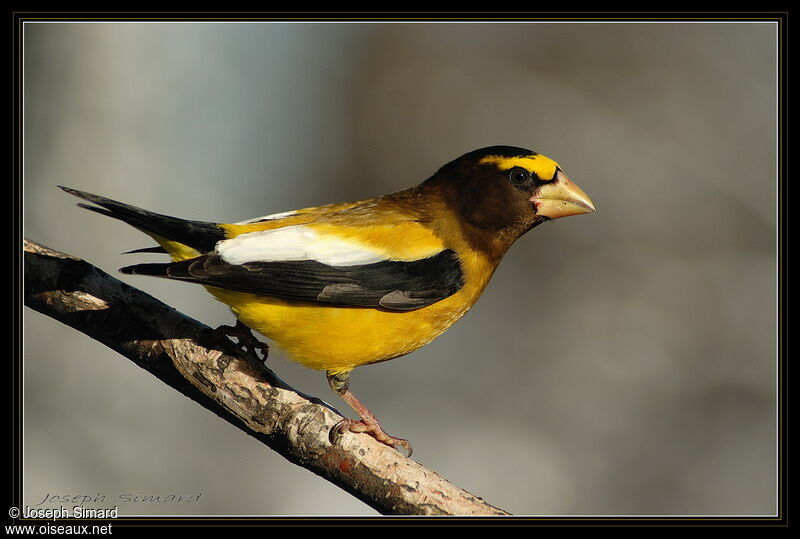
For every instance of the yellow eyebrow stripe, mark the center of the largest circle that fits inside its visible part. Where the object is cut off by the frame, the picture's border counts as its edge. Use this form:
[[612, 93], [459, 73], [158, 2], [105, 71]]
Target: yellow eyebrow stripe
[[542, 166]]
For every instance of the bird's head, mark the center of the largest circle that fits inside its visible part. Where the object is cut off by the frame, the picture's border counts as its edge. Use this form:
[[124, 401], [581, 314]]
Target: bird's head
[[506, 191]]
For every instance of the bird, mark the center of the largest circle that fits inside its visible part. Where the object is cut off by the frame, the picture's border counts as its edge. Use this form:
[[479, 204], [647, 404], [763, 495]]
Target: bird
[[349, 284]]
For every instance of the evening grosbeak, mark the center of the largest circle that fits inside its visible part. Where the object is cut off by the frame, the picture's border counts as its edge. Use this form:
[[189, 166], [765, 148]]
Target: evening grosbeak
[[345, 285]]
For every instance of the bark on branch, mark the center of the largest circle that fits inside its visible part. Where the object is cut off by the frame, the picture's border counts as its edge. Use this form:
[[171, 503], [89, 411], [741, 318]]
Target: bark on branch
[[166, 343]]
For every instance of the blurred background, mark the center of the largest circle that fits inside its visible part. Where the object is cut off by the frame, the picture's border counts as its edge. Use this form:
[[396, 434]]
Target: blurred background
[[620, 363]]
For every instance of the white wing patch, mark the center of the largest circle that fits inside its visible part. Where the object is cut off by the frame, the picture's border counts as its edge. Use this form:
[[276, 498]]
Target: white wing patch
[[296, 242], [270, 217]]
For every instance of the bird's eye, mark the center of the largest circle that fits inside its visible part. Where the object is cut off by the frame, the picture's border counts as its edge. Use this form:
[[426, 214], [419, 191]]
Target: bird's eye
[[518, 176]]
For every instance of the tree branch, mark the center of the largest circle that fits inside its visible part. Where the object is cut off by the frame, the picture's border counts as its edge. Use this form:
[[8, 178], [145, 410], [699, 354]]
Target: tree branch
[[239, 390]]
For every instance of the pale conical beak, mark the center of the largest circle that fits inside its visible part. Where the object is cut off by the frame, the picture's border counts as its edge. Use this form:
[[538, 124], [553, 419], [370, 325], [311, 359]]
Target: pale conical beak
[[561, 198]]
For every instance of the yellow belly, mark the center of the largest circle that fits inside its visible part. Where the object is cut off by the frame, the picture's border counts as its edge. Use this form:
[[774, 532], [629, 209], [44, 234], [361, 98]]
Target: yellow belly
[[341, 338]]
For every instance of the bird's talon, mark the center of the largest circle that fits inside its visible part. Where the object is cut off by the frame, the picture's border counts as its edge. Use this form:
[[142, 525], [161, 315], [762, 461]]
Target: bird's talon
[[336, 432], [372, 428], [245, 340], [405, 445]]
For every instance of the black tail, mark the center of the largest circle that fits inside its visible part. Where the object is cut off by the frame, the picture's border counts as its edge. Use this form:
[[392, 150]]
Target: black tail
[[153, 270], [196, 234], [171, 270], [146, 250]]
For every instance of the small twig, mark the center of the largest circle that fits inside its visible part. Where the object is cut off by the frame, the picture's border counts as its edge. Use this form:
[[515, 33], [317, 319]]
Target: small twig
[[165, 342]]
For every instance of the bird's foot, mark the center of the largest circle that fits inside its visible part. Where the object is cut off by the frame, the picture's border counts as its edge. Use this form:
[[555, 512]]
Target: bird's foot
[[374, 429], [244, 339]]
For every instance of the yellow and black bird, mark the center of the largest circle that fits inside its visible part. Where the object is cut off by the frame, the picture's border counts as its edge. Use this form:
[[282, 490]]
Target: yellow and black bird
[[345, 285]]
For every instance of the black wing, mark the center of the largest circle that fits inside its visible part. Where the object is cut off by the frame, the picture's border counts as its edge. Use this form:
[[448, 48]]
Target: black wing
[[399, 286]]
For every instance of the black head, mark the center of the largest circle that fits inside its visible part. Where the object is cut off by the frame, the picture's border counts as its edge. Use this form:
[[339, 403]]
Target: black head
[[506, 190]]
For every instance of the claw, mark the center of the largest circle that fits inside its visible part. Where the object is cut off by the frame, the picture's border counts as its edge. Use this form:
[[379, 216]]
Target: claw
[[373, 428], [337, 431], [245, 340]]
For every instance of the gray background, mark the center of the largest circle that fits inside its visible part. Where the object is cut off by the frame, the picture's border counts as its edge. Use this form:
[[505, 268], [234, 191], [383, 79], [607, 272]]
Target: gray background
[[619, 363]]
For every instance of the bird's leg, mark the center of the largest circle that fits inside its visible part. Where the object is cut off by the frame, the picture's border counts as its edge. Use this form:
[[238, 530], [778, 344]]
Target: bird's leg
[[368, 423], [244, 337]]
